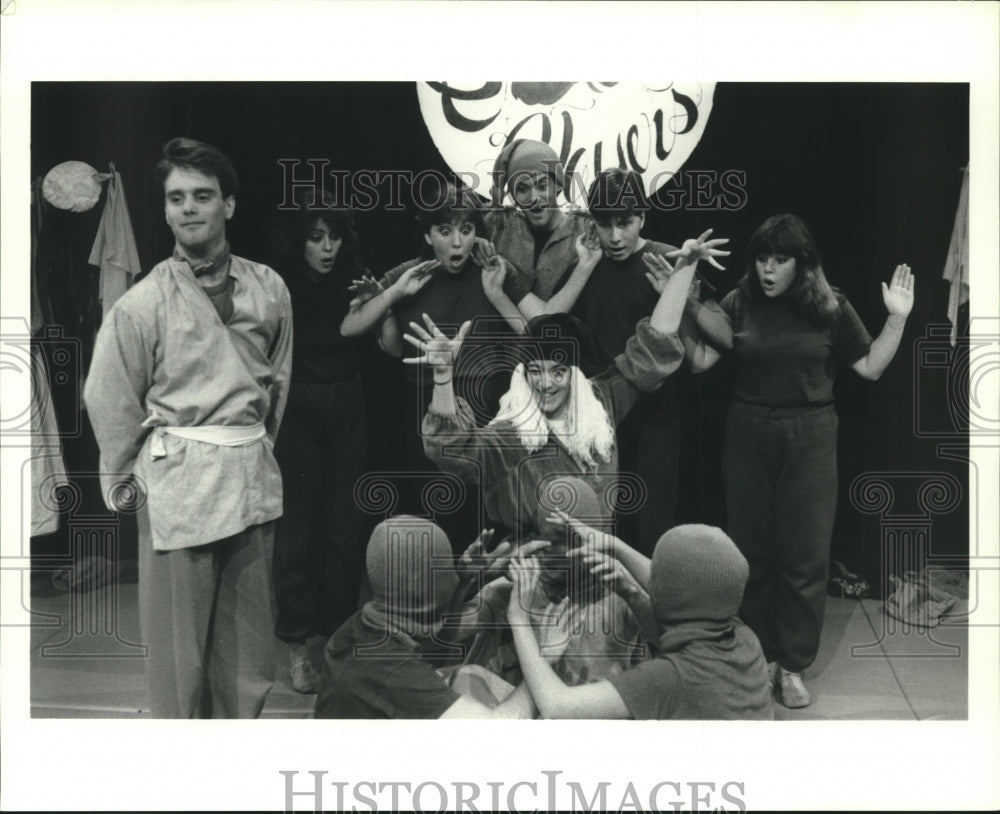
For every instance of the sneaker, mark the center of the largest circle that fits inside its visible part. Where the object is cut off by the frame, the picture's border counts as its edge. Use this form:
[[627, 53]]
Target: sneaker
[[792, 691], [305, 679]]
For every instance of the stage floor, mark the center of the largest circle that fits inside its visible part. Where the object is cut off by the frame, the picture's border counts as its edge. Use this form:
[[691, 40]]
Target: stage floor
[[86, 662]]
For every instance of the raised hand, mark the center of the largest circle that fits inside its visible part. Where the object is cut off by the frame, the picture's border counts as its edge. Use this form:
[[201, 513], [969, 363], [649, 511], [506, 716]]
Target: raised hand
[[437, 350], [477, 559], [553, 630], [612, 573], [483, 252], [494, 274], [898, 295], [523, 573], [367, 288], [659, 270], [701, 248], [530, 547], [590, 538], [588, 247], [413, 279]]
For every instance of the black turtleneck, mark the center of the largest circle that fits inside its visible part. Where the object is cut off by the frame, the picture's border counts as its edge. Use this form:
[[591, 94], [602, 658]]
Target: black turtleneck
[[319, 304]]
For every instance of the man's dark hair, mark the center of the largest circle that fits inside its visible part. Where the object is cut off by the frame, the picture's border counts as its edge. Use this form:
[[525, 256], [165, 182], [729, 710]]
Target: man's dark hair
[[617, 193], [187, 153]]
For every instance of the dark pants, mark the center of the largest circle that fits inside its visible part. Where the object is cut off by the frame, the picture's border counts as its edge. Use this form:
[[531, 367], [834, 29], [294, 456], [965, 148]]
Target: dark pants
[[207, 616], [781, 495], [649, 459], [319, 555]]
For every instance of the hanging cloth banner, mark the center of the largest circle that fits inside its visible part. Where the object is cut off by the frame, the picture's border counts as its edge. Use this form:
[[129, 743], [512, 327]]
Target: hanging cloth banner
[[956, 267], [114, 250], [651, 128]]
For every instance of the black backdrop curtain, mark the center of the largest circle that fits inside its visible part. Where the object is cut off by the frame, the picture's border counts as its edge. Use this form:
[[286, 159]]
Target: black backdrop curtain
[[874, 169]]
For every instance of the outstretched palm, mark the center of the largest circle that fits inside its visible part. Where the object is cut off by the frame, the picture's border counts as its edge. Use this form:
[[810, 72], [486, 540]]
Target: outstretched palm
[[898, 296], [701, 248], [659, 271], [437, 350]]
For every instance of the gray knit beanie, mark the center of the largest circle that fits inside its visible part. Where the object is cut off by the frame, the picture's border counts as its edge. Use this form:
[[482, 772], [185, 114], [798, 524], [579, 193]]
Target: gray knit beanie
[[697, 574], [524, 156]]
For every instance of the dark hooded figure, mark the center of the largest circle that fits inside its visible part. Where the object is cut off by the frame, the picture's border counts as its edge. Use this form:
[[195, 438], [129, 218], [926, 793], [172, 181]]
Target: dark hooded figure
[[381, 663], [708, 665]]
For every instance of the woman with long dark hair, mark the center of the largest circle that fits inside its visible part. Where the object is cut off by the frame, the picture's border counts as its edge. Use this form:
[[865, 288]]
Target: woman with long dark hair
[[322, 446], [789, 331]]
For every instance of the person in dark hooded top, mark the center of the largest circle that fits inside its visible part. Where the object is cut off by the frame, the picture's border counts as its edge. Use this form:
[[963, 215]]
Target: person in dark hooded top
[[383, 661], [708, 664]]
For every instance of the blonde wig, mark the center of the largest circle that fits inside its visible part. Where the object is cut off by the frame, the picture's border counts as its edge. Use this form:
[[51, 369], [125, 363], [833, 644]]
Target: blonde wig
[[587, 433]]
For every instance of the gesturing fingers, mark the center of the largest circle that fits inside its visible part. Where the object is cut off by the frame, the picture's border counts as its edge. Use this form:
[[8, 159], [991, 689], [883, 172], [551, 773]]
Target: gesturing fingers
[[902, 277], [418, 329], [432, 328], [533, 546], [496, 559], [417, 343], [657, 262], [463, 332], [558, 517]]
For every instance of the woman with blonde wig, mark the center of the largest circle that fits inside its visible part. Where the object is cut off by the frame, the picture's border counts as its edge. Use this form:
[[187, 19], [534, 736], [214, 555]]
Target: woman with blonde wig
[[559, 416], [552, 447]]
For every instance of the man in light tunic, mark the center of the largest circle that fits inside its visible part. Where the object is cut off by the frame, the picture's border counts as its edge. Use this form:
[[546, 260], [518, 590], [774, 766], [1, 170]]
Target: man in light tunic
[[185, 394]]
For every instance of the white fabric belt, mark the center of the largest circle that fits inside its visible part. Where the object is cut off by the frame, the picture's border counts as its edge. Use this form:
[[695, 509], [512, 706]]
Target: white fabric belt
[[217, 434]]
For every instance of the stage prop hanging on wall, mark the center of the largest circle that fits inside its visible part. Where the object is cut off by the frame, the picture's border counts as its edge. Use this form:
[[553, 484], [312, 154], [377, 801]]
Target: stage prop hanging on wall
[[651, 128], [73, 185], [114, 250], [956, 267]]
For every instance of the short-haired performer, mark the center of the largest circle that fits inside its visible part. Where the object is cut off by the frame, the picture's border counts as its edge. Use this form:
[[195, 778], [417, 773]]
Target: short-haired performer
[[185, 393]]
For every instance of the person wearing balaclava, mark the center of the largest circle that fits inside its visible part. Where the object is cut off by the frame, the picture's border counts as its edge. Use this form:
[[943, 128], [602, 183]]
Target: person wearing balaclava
[[381, 662], [560, 413], [708, 666]]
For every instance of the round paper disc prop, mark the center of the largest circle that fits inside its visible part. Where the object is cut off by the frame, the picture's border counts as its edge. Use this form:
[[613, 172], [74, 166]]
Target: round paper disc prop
[[647, 127], [72, 185]]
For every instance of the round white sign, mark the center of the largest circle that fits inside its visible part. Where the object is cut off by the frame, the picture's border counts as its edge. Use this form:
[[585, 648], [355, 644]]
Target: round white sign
[[648, 127]]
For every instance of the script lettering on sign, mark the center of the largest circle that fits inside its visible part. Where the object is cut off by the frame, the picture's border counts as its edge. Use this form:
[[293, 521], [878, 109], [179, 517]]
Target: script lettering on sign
[[651, 128]]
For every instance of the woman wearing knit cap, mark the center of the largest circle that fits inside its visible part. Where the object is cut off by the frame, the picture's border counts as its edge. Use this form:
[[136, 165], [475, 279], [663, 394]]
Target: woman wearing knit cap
[[708, 664], [540, 240], [789, 330], [381, 662], [555, 418]]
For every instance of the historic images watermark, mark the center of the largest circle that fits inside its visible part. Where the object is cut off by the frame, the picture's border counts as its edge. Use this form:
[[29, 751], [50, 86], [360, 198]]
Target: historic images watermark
[[546, 792], [365, 190]]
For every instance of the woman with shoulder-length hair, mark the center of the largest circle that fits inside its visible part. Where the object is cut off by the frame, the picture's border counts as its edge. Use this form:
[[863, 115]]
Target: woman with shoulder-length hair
[[789, 331], [322, 446]]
